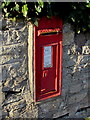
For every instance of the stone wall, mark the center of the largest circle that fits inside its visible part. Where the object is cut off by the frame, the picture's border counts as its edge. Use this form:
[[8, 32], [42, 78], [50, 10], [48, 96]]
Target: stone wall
[[16, 93]]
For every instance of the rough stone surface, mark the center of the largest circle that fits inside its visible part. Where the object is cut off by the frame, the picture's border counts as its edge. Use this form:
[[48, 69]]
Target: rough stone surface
[[16, 95]]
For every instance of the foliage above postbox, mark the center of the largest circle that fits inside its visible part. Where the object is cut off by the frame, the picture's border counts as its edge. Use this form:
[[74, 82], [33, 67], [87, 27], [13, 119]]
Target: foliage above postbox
[[77, 13]]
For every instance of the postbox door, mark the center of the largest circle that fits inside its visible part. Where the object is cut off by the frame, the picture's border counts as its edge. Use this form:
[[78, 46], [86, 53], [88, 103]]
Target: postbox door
[[49, 69], [48, 66]]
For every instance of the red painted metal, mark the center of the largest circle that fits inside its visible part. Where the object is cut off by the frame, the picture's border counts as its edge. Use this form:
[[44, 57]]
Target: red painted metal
[[48, 79]]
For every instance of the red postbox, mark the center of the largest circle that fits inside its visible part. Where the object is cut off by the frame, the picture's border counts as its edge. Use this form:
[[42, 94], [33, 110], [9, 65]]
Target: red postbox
[[48, 58]]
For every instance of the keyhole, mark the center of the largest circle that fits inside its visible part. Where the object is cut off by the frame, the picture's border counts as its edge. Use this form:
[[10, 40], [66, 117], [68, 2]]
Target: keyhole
[[45, 74]]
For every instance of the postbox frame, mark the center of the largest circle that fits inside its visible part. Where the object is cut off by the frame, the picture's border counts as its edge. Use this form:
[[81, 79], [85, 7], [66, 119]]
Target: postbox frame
[[43, 97]]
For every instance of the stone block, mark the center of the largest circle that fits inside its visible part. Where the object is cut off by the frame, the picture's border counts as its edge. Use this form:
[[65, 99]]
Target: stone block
[[68, 63], [67, 28], [62, 110], [0, 114], [81, 114], [16, 108], [2, 97], [73, 49], [75, 88], [14, 114], [17, 105], [15, 36], [66, 71], [88, 42], [0, 36], [68, 38], [77, 97], [13, 98], [30, 114], [0, 24], [49, 106], [76, 109], [5, 114], [88, 112], [86, 50], [85, 69], [85, 59], [66, 77], [60, 114], [80, 39], [22, 105], [6, 89], [84, 103], [80, 75], [15, 53], [13, 74]]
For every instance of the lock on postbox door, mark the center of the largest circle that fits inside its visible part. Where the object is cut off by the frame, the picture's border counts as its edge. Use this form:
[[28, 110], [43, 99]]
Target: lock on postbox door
[[48, 58]]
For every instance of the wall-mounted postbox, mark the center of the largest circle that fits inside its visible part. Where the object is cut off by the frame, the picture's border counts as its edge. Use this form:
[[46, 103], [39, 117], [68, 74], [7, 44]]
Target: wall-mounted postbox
[[47, 58]]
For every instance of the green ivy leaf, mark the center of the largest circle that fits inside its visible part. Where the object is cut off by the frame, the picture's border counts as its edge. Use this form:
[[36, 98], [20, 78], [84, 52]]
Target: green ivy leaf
[[88, 5], [5, 10], [16, 7], [14, 19], [2, 5], [34, 21], [38, 9], [7, 3], [7, 14], [25, 10], [41, 3], [24, 1]]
